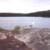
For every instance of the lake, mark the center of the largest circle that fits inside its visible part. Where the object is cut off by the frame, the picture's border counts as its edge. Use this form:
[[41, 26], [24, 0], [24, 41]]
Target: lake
[[11, 22]]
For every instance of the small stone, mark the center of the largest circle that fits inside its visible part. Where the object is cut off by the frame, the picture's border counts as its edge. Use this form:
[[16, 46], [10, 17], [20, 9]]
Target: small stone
[[17, 46]]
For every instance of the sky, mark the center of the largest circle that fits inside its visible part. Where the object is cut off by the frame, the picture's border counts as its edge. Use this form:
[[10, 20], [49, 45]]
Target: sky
[[24, 6], [11, 22]]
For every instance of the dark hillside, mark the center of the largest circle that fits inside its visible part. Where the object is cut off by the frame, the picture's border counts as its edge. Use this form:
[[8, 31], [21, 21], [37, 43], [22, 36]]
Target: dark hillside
[[39, 13]]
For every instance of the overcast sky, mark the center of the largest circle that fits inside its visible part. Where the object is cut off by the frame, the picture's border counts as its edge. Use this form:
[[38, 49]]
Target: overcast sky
[[24, 6]]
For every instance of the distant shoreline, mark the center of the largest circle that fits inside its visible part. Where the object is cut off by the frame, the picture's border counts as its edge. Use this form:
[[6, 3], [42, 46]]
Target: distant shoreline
[[39, 14]]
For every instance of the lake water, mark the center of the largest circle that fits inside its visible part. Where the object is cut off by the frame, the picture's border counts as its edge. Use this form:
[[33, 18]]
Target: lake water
[[11, 22]]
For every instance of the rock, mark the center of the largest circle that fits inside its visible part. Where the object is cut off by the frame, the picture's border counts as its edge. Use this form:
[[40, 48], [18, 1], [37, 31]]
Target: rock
[[13, 44]]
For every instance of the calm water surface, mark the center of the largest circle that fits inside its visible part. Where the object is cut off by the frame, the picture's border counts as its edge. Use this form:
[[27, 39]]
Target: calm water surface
[[11, 22]]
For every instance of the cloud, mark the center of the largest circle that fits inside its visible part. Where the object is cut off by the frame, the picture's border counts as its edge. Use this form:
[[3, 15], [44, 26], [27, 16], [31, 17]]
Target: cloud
[[24, 6]]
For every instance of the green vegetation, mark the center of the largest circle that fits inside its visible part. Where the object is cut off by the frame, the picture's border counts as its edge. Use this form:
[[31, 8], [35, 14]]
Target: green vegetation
[[1, 29], [16, 30]]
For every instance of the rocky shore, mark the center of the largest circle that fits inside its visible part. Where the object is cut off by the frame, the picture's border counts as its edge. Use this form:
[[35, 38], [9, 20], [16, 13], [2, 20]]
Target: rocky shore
[[29, 38]]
